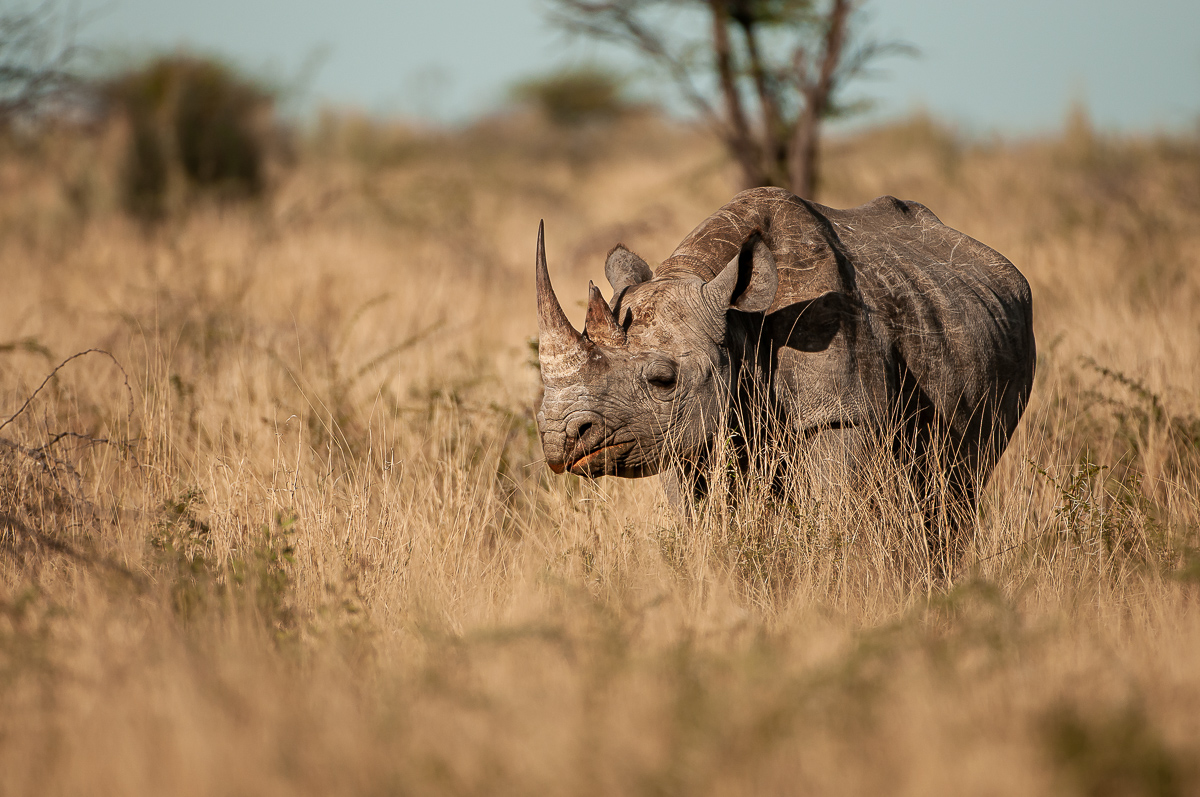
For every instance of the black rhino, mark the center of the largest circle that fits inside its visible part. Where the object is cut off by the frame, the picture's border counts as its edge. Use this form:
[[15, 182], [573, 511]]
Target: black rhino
[[850, 323]]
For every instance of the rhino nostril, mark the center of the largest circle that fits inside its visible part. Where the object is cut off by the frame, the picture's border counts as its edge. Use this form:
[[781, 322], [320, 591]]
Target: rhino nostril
[[580, 428]]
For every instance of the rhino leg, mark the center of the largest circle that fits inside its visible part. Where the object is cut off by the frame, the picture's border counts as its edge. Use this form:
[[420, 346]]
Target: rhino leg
[[950, 520], [671, 480], [832, 464], [685, 487]]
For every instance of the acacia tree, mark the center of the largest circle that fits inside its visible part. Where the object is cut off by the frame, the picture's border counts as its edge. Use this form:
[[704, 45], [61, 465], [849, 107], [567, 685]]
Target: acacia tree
[[782, 61]]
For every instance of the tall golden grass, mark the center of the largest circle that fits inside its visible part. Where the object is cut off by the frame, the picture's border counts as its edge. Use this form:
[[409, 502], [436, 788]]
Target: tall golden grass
[[294, 535]]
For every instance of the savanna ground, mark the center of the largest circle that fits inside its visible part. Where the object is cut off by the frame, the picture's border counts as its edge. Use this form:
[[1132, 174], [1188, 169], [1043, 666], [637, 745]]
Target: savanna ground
[[294, 534]]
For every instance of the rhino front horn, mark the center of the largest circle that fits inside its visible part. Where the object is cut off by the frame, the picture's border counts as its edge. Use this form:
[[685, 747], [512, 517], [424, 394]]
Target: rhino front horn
[[561, 350]]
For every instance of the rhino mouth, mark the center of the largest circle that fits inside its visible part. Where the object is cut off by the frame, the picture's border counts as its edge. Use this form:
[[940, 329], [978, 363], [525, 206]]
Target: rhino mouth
[[601, 460]]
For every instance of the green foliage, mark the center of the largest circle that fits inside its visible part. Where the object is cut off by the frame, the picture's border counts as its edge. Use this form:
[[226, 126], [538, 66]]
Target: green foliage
[[194, 118], [1138, 420], [1101, 514], [184, 549], [1112, 753], [30, 345], [261, 573], [25, 636], [575, 96], [254, 578], [1189, 571]]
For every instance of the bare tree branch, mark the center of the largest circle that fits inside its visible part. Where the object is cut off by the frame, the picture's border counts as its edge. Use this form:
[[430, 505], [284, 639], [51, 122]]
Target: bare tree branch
[[59, 367], [740, 142], [817, 93], [620, 23], [774, 129], [37, 46]]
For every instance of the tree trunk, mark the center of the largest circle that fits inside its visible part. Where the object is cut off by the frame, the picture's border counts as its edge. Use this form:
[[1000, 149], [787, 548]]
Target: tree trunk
[[806, 142], [737, 135], [806, 138], [774, 151]]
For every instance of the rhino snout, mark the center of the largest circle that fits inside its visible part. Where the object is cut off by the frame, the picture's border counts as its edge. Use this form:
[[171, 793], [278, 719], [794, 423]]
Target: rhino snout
[[581, 444], [566, 441]]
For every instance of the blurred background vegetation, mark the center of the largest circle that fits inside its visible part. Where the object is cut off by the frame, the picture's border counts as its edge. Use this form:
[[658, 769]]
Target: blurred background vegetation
[[193, 125], [575, 96]]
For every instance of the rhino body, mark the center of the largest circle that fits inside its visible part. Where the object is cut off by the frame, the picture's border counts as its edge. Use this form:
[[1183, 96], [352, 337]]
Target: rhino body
[[841, 324]]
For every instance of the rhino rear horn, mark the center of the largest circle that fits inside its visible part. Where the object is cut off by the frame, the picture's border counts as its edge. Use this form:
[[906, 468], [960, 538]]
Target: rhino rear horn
[[600, 325], [623, 269], [748, 282], [561, 350]]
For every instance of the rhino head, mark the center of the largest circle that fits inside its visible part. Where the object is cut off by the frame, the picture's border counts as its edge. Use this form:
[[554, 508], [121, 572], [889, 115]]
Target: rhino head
[[648, 379]]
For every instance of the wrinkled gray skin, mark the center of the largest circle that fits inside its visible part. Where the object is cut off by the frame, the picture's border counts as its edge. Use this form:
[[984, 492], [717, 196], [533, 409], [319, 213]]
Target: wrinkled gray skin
[[850, 322]]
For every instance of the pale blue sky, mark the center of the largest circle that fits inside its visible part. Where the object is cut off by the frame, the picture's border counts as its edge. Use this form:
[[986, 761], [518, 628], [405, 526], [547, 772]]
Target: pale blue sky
[[1011, 66]]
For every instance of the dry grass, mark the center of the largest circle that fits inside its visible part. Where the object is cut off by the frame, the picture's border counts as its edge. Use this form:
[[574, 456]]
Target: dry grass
[[298, 538]]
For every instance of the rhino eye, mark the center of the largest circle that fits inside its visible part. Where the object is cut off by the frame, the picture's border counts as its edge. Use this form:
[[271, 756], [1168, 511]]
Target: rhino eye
[[661, 375]]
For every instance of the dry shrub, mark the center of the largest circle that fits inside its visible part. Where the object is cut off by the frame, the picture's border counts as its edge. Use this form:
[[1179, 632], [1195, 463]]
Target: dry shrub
[[576, 96], [194, 125]]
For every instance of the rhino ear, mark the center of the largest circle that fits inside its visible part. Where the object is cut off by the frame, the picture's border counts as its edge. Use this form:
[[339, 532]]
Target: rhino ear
[[749, 281], [623, 269]]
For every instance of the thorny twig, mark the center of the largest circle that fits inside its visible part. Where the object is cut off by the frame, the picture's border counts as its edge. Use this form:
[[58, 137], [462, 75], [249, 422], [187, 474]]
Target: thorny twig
[[41, 454], [58, 368], [25, 535], [37, 47]]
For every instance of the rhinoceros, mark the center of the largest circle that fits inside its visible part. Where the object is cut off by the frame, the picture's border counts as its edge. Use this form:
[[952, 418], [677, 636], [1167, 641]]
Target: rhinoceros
[[853, 324]]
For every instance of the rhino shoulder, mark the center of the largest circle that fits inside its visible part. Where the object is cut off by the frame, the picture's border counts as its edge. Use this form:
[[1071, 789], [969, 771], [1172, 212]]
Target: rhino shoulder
[[882, 212]]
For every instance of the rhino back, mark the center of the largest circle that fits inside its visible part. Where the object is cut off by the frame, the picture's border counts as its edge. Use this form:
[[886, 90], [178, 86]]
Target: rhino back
[[954, 314], [944, 315]]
